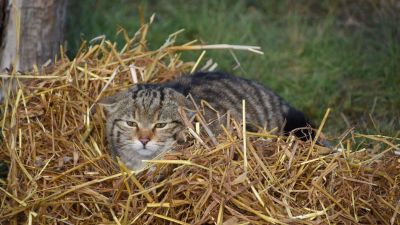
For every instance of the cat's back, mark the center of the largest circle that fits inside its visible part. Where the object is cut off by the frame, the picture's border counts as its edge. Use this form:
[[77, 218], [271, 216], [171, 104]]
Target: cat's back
[[225, 92], [208, 85]]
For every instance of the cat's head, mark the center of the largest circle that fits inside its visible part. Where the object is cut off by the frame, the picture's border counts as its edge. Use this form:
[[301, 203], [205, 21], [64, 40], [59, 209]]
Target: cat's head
[[143, 122]]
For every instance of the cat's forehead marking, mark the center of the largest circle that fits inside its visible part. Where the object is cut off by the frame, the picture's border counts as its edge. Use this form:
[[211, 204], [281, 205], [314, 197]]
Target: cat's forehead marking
[[140, 89], [148, 102]]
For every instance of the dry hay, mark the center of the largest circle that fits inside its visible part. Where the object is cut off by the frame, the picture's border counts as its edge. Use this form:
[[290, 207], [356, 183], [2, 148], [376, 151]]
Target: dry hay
[[60, 172]]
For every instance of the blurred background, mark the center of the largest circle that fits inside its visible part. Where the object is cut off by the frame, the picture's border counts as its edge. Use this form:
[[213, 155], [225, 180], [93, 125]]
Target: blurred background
[[318, 54]]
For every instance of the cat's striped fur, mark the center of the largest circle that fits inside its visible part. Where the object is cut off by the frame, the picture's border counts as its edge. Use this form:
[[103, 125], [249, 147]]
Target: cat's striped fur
[[143, 121]]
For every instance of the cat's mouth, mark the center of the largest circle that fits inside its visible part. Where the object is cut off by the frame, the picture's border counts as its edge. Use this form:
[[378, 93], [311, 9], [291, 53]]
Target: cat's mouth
[[136, 150], [145, 150]]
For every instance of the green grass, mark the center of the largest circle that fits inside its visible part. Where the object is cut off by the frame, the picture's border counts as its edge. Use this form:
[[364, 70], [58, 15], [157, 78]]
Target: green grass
[[318, 54]]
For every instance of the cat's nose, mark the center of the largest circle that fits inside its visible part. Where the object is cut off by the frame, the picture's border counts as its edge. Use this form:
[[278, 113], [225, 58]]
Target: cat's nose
[[144, 140]]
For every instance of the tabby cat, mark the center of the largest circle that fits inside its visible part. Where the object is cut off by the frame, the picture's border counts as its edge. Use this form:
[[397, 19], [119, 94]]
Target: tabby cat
[[144, 121]]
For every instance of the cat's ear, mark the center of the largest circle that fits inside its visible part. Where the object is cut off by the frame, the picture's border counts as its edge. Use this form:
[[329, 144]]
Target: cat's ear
[[184, 103], [180, 98], [110, 103]]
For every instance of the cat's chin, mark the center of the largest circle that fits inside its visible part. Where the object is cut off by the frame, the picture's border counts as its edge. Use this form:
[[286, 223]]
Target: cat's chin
[[145, 152]]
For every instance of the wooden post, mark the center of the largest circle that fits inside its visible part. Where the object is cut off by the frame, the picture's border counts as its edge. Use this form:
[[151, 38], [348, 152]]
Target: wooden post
[[31, 32]]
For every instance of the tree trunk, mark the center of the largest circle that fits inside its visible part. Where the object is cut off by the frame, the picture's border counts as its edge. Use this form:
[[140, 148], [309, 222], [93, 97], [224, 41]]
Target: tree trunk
[[31, 32]]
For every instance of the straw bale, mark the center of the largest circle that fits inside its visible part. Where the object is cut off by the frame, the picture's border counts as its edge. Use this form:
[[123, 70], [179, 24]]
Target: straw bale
[[60, 172]]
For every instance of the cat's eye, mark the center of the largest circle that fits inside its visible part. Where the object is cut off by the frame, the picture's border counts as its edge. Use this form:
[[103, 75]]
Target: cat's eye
[[131, 124], [160, 125]]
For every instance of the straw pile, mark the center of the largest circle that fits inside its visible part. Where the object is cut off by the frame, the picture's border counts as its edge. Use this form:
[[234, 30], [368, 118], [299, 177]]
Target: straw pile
[[60, 172]]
